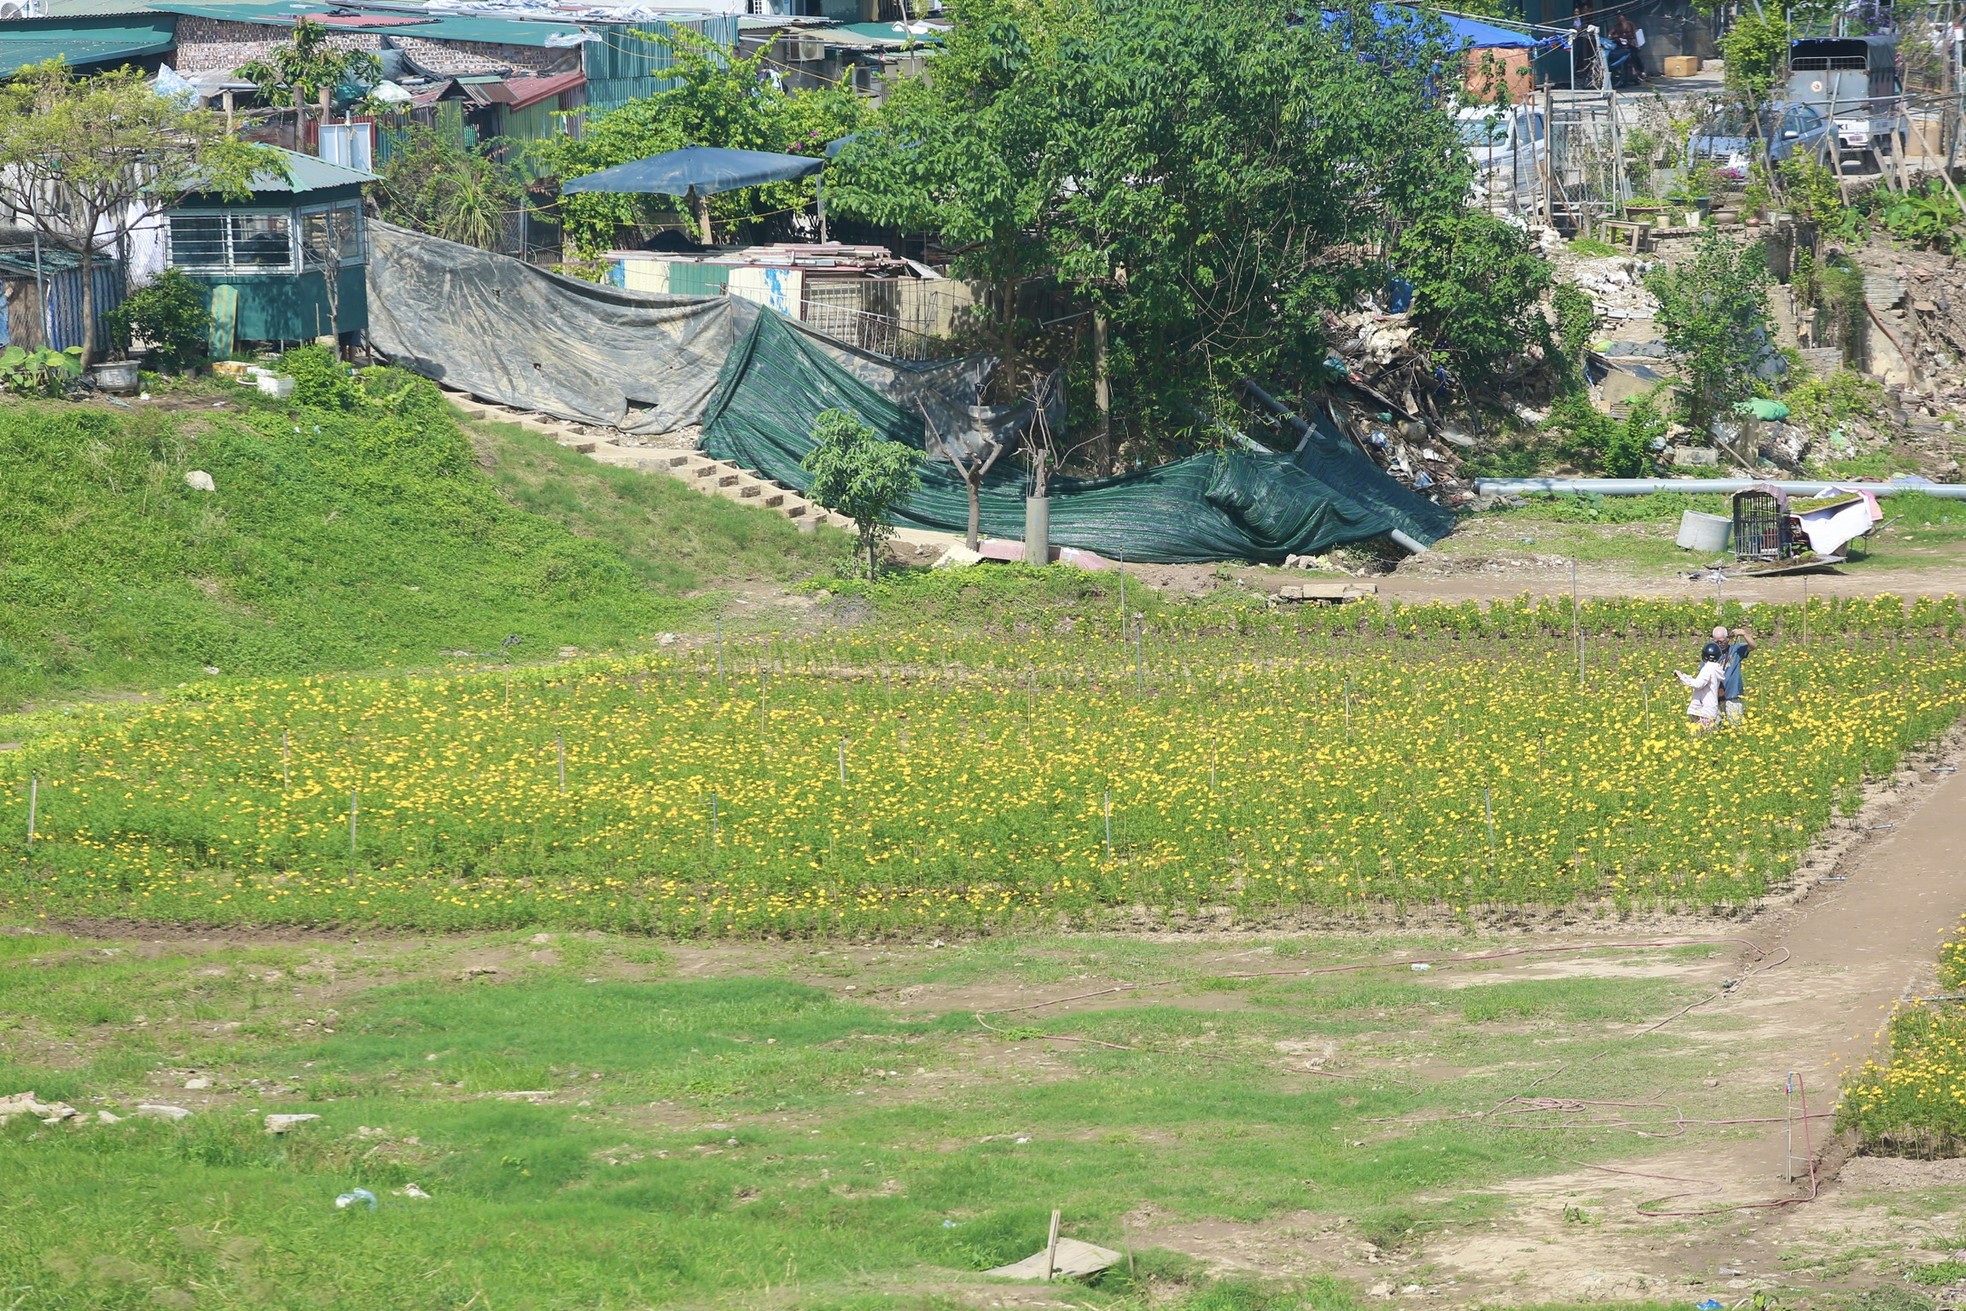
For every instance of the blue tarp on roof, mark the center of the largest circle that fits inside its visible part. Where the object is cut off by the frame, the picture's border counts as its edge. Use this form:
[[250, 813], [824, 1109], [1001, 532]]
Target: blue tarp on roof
[[705, 170], [1463, 33]]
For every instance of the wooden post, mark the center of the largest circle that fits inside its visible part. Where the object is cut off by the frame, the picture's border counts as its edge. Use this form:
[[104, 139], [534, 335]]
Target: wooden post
[[1051, 1249]]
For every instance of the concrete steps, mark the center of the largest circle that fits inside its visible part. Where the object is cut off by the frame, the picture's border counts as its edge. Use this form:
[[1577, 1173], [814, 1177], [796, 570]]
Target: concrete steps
[[693, 468]]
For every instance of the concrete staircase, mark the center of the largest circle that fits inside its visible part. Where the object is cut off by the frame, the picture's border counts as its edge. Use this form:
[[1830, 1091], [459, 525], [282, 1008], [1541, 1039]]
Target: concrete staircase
[[710, 476]]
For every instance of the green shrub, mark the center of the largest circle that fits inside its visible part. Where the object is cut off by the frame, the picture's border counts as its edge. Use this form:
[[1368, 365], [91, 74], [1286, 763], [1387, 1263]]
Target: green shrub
[[321, 380], [169, 313]]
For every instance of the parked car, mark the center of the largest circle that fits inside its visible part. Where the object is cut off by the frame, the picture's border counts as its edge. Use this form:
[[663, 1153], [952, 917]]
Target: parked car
[[1509, 147], [1734, 139]]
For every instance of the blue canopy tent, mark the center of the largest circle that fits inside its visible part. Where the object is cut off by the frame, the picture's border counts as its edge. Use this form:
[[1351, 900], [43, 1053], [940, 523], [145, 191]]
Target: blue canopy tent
[[696, 173]]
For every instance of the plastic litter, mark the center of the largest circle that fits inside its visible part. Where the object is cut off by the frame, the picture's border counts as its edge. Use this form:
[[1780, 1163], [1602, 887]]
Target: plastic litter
[[1421, 967], [1708, 1305], [346, 1200]]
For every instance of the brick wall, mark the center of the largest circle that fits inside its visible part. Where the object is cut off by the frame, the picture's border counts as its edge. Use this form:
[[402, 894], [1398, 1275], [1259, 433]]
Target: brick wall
[[219, 45]]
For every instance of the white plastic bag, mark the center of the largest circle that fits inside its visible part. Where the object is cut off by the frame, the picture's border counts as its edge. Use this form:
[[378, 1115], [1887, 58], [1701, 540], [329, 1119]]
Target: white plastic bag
[[1638, 38]]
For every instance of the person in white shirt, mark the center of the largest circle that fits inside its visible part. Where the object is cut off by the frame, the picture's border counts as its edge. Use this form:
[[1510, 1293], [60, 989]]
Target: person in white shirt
[[1703, 711]]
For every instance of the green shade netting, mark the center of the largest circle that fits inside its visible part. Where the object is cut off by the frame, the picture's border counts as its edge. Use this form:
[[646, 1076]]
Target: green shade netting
[[1229, 505]]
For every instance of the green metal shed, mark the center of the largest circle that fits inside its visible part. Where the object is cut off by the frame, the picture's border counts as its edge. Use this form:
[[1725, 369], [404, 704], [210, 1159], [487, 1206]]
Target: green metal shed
[[266, 260]]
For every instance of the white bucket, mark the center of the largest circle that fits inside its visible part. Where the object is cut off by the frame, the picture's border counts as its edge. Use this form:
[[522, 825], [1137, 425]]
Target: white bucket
[[1706, 533], [276, 386]]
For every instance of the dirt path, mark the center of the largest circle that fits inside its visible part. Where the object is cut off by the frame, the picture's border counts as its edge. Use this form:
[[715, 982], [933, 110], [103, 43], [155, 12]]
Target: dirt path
[[1867, 935]]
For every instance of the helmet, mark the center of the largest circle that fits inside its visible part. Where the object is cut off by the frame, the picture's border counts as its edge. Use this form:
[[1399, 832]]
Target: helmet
[[1711, 651]]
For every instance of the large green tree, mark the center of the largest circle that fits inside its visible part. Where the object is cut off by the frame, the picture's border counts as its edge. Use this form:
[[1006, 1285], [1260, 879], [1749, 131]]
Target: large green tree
[[83, 159], [308, 68], [1714, 317], [718, 99], [1211, 179]]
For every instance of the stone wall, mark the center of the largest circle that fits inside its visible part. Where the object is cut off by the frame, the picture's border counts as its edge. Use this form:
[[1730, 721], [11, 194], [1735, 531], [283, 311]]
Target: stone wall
[[220, 45], [466, 58]]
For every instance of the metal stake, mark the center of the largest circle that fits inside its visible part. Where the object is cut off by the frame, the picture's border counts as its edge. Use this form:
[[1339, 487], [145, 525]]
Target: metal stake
[[1488, 810], [33, 804], [843, 761], [286, 762], [714, 831], [560, 745], [354, 808], [1109, 825]]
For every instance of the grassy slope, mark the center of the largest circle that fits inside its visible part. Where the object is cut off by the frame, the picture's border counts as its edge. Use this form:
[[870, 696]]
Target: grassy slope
[[333, 541], [709, 1133]]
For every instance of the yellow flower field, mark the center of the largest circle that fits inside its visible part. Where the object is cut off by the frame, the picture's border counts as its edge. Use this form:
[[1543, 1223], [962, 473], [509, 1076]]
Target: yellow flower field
[[913, 780], [1914, 1102]]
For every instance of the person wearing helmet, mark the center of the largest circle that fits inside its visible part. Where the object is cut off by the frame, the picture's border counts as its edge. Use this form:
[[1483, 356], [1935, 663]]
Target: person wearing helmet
[[1703, 711]]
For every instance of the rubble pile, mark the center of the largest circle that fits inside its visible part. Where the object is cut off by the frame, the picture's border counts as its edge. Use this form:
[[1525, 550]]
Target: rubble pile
[[1383, 398]]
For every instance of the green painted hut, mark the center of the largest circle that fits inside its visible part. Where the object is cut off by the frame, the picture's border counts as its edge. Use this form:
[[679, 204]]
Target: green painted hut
[[267, 259]]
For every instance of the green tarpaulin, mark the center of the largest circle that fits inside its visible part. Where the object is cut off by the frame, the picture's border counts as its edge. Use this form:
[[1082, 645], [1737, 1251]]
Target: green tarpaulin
[[1231, 505]]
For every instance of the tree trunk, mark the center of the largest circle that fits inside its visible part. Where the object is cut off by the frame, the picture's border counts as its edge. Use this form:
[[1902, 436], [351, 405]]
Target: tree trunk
[[869, 539], [1007, 331], [1102, 393], [972, 485], [87, 268]]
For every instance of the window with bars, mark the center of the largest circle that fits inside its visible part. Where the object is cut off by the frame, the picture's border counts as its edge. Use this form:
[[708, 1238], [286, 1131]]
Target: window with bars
[[232, 243], [339, 227]]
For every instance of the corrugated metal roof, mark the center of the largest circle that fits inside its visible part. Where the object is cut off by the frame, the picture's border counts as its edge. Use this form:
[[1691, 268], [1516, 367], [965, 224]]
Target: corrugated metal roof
[[518, 92], [82, 42], [242, 11], [95, 8], [309, 173]]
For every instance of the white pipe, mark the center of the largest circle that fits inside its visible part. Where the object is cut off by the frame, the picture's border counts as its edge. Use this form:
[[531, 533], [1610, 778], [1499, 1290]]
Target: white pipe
[[1647, 486], [1407, 544]]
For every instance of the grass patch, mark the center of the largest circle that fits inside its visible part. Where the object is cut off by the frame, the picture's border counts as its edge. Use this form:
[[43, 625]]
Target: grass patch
[[335, 540], [703, 1132], [676, 540]]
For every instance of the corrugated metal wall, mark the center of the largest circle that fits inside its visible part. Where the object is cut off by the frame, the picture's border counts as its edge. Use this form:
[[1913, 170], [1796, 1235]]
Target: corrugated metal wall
[[64, 318], [623, 67]]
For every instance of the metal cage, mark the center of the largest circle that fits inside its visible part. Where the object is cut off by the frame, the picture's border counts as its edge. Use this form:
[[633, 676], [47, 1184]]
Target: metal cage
[[1763, 528]]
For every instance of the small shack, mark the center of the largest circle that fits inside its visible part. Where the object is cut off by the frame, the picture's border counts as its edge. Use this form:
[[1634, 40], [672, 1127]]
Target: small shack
[[287, 264], [41, 283]]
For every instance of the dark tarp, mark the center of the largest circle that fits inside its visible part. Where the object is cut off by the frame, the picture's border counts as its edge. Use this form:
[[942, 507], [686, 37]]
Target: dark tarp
[[501, 329], [1232, 505], [702, 170]]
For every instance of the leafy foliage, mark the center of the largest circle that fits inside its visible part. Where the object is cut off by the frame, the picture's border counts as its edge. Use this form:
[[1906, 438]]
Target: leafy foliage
[[435, 183], [321, 380], [1576, 319], [1753, 48], [1476, 282], [1927, 216], [1835, 400], [169, 313], [1212, 178], [42, 371], [90, 154], [860, 476], [1714, 316], [720, 99], [309, 65], [1616, 448], [1812, 195]]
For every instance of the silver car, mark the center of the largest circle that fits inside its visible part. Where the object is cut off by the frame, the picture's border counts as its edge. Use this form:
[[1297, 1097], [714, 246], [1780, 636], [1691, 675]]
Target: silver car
[[1733, 140]]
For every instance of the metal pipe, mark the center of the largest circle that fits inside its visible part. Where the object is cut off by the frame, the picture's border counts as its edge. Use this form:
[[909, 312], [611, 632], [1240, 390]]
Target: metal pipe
[[1407, 544], [1647, 486]]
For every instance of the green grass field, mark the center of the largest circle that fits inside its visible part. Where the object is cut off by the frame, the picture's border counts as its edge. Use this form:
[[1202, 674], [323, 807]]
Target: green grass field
[[834, 1123], [336, 540]]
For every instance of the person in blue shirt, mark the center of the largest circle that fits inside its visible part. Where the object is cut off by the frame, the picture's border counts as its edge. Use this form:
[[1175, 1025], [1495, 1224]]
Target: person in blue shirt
[[1738, 647]]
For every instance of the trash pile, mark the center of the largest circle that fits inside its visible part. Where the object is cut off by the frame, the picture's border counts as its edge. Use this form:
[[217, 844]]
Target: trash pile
[[1382, 396], [1616, 286]]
